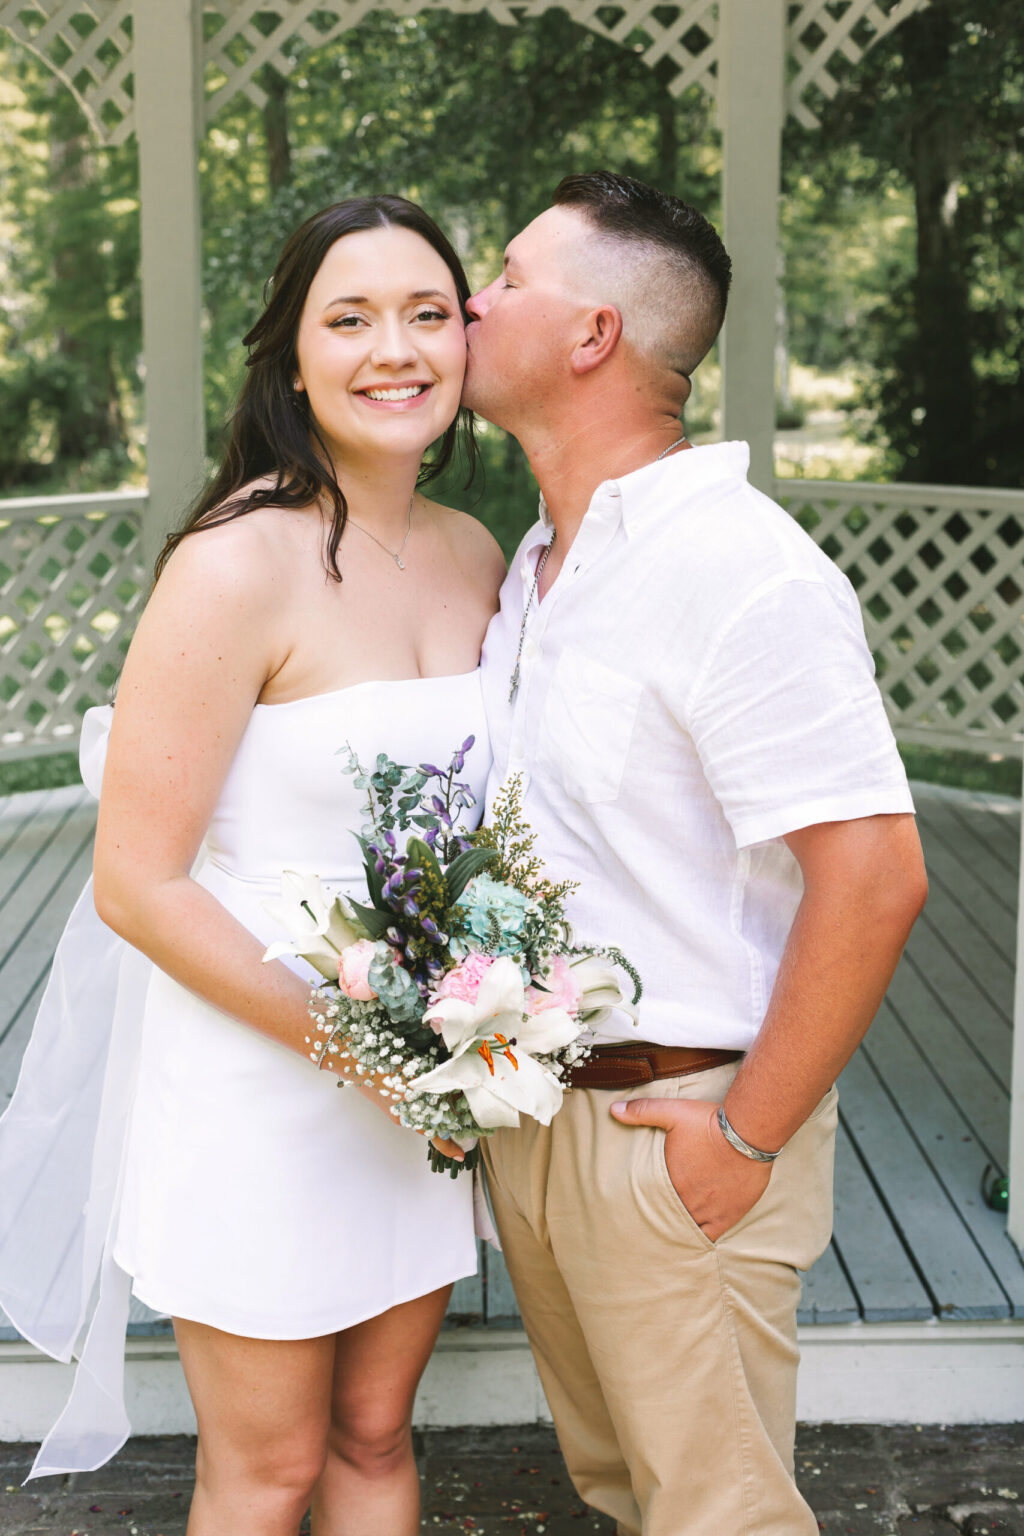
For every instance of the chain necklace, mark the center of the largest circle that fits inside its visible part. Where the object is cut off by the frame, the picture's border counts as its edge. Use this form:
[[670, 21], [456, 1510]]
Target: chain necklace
[[513, 682], [396, 555]]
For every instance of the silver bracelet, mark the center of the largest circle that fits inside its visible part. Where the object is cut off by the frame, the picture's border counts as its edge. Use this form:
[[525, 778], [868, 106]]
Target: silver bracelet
[[736, 1140]]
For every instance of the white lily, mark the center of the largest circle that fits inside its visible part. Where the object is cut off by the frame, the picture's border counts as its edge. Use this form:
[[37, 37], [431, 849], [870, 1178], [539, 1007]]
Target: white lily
[[493, 1042], [600, 990], [320, 928]]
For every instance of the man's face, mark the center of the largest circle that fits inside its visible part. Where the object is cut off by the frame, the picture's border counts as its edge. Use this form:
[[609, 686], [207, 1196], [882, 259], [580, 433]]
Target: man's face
[[520, 337]]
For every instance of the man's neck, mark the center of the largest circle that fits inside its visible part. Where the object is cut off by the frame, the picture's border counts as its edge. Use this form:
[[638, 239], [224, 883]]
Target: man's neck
[[571, 465]]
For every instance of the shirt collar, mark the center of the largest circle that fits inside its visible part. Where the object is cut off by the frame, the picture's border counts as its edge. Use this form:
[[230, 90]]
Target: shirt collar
[[645, 492], [634, 498]]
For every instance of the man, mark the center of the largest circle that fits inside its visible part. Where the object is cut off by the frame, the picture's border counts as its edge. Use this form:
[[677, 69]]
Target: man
[[681, 679]]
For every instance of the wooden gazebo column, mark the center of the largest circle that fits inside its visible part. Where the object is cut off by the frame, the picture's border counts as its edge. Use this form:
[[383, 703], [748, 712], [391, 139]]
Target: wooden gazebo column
[[167, 60], [752, 60]]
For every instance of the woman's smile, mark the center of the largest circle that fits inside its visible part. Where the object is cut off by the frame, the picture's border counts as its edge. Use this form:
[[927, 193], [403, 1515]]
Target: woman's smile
[[395, 396]]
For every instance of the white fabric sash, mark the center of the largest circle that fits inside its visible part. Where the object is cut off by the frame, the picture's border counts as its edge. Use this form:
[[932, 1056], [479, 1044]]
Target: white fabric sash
[[61, 1149]]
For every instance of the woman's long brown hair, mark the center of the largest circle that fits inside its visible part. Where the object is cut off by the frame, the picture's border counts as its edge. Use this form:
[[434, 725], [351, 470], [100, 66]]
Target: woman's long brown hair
[[273, 433]]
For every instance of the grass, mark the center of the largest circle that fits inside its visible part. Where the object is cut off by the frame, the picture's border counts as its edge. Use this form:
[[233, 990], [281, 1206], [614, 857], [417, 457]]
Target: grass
[[995, 772], [50, 772]]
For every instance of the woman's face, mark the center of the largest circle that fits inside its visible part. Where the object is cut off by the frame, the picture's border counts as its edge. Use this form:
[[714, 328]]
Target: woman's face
[[381, 345]]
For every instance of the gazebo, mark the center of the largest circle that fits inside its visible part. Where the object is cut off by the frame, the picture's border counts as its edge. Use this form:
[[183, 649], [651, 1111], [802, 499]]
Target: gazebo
[[938, 571]]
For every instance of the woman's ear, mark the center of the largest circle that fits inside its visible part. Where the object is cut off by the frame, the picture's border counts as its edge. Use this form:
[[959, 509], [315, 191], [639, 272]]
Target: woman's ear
[[602, 328]]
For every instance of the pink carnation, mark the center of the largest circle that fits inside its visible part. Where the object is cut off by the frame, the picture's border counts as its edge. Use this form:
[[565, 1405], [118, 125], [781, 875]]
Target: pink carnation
[[560, 989], [464, 981], [354, 971]]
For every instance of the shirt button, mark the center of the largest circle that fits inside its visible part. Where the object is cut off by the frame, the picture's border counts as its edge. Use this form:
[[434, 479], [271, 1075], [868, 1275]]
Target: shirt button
[[531, 650], [518, 747]]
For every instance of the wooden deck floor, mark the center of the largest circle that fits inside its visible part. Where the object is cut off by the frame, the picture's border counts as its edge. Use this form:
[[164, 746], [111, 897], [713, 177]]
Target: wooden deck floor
[[924, 1104]]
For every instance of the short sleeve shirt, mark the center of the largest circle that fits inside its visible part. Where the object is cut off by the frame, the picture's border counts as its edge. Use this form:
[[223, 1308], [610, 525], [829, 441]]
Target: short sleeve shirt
[[695, 685]]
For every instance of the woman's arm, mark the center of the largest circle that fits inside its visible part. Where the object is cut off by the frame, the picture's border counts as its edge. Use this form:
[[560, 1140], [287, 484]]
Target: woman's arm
[[204, 648]]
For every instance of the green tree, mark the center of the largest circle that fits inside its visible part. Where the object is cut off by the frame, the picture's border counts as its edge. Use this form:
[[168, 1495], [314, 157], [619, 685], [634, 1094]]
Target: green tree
[[938, 107], [69, 329]]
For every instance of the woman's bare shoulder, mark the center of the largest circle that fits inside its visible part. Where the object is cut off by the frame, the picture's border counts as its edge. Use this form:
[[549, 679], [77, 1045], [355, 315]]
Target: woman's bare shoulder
[[470, 538], [253, 549]]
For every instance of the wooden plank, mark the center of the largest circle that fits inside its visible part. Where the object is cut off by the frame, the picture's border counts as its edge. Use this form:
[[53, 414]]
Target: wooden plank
[[144, 1323], [942, 923], [959, 835], [502, 1307], [467, 1303], [48, 894], [887, 1287], [827, 1295], [949, 1141], [986, 924], [951, 1267], [929, 965], [966, 1078], [33, 836], [15, 1029], [997, 825]]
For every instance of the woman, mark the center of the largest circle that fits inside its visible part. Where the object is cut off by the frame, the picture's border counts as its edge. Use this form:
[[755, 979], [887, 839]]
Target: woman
[[314, 600]]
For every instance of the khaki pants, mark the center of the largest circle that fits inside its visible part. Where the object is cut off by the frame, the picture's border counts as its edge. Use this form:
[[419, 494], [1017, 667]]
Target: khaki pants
[[669, 1362]]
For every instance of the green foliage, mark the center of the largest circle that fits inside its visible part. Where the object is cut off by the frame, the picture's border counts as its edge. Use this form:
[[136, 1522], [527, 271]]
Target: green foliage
[[53, 771], [902, 219], [69, 323], [930, 135]]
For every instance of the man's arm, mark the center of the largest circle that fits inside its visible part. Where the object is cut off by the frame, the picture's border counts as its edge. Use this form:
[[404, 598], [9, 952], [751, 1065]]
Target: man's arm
[[864, 885]]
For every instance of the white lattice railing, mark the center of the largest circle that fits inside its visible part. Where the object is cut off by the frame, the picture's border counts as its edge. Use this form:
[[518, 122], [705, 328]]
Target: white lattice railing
[[940, 576], [71, 586], [939, 573], [88, 43]]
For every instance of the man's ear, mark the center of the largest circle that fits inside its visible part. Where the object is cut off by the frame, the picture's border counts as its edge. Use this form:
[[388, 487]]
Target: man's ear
[[601, 330]]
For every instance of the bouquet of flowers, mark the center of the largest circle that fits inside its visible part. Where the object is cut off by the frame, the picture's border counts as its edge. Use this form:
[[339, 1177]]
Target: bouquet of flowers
[[457, 988]]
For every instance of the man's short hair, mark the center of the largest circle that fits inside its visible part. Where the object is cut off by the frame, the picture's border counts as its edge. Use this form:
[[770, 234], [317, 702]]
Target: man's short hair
[[668, 263]]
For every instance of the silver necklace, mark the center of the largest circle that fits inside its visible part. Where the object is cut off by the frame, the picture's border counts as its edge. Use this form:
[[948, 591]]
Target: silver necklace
[[513, 682], [396, 555]]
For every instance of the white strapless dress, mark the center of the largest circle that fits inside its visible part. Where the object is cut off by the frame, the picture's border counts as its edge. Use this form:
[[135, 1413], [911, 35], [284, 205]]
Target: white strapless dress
[[234, 1184]]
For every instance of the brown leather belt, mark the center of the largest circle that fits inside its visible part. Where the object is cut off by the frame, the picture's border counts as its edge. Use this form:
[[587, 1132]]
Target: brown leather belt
[[628, 1066]]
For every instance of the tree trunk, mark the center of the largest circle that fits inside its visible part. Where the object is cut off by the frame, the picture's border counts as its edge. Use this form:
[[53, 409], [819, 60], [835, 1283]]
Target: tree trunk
[[668, 132], [941, 307], [275, 125]]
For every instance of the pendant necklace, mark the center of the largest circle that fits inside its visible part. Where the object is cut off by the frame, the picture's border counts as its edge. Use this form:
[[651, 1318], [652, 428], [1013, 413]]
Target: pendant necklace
[[394, 554], [513, 682]]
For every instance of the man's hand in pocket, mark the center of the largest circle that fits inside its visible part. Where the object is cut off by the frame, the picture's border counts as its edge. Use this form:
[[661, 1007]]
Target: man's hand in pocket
[[717, 1184]]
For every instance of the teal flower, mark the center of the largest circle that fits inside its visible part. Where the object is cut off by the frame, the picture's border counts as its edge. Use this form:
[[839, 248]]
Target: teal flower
[[496, 914]]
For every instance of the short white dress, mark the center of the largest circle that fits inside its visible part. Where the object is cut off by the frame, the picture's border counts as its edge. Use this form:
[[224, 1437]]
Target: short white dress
[[234, 1184]]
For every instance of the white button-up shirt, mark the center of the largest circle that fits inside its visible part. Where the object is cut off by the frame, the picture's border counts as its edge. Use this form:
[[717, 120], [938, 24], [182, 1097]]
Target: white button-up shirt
[[695, 684]]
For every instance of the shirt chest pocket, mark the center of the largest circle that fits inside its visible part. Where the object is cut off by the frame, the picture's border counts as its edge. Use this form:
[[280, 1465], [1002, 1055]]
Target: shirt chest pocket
[[587, 725]]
